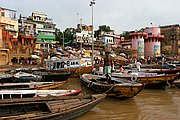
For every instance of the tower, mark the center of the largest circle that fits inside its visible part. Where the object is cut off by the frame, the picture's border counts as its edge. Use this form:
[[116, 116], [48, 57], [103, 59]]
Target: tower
[[152, 45], [138, 44]]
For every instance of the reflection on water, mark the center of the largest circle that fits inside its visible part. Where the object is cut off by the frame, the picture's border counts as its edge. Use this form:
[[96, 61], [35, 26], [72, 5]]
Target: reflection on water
[[148, 105]]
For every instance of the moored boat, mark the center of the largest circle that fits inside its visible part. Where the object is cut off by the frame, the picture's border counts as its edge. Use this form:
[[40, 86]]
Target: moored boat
[[119, 88], [151, 81], [75, 67], [31, 85], [49, 108], [177, 83], [52, 76], [22, 76], [162, 71], [14, 94], [6, 77]]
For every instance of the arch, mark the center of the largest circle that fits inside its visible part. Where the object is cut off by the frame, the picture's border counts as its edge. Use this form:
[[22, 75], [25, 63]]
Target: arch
[[3, 59]]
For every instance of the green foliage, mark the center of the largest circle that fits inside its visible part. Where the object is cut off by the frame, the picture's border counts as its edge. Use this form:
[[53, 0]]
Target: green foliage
[[103, 28], [58, 35], [126, 35]]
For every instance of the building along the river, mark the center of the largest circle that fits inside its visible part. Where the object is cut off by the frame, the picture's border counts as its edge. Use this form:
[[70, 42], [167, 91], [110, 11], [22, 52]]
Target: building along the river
[[171, 43], [9, 30], [138, 44], [84, 34], [147, 43], [152, 45], [26, 41], [45, 31]]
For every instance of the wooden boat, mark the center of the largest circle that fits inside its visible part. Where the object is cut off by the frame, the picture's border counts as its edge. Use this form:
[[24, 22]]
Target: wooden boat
[[151, 81], [49, 108], [52, 76], [118, 88], [177, 83], [12, 94], [22, 76], [162, 71], [32, 85], [75, 67], [7, 77]]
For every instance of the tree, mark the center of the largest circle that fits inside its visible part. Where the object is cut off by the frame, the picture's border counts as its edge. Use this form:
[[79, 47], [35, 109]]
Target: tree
[[103, 28], [69, 34], [126, 35], [58, 35]]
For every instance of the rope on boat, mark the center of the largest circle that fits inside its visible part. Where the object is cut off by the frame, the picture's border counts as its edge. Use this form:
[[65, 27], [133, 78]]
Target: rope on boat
[[168, 83], [90, 84], [134, 78], [110, 89]]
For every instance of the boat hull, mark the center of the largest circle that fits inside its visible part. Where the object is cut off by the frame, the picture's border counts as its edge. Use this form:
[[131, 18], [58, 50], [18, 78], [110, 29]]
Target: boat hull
[[14, 94], [164, 71], [112, 90], [55, 77], [177, 83], [31, 85], [153, 82], [75, 72], [63, 108]]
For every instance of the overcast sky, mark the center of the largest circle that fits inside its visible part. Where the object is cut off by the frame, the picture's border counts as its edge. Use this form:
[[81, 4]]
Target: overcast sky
[[120, 15]]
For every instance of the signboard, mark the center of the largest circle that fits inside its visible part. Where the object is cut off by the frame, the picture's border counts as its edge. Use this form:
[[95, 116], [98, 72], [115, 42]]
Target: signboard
[[140, 48], [157, 51]]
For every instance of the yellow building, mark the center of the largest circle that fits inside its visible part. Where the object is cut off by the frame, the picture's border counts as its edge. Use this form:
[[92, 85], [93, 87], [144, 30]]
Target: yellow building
[[8, 17], [8, 31]]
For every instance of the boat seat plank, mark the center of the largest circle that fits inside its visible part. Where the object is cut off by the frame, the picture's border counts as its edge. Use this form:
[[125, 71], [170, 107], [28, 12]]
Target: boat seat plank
[[63, 101], [24, 116], [63, 107]]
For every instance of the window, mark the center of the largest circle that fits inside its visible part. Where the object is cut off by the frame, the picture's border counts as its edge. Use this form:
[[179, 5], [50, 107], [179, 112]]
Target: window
[[2, 13], [11, 26]]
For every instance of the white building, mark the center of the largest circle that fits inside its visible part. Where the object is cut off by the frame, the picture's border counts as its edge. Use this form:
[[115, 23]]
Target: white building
[[84, 37], [107, 39]]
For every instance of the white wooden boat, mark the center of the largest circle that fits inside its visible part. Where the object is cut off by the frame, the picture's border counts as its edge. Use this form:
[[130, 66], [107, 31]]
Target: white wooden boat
[[31, 85], [27, 76], [11, 94]]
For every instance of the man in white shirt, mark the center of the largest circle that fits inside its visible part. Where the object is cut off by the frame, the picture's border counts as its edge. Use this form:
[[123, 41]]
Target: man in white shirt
[[138, 65]]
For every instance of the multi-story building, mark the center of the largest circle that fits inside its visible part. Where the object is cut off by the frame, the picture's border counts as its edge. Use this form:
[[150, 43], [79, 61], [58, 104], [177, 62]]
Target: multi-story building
[[84, 34], [171, 43], [4, 53], [107, 39], [9, 30], [45, 31], [26, 41], [117, 39]]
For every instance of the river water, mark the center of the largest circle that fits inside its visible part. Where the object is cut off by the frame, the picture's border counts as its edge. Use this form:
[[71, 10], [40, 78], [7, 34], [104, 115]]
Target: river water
[[147, 105]]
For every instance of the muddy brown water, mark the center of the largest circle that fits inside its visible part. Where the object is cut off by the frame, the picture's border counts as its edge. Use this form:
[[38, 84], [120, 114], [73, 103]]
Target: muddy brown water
[[148, 105]]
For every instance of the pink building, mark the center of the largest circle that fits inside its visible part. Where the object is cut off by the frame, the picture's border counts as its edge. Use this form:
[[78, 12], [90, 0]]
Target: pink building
[[138, 44], [152, 45]]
